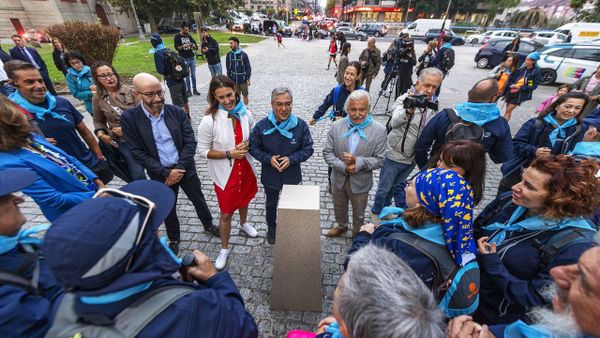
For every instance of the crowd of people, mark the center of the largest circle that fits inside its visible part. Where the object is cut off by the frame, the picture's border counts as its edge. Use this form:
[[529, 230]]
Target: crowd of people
[[422, 267]]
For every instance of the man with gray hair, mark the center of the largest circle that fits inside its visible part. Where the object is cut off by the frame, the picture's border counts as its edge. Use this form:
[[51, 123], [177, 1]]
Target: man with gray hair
[[370, 61], [355, 147], [380, 296], [280, 141], [413, 110]]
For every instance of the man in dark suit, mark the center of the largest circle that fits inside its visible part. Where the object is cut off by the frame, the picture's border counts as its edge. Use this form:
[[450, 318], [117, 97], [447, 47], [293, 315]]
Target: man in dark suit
[[4, 57], [28, 54], [162, 140]]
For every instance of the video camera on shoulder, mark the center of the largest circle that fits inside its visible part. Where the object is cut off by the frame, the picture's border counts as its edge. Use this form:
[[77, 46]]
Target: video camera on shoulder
[[419, 101]]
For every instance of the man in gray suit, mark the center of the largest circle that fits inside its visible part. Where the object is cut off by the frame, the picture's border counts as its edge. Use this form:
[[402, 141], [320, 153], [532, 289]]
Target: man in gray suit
[[355, 147]]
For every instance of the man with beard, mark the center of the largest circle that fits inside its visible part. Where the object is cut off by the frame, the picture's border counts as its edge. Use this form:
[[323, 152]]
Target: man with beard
[[576, 300], [162, 140]]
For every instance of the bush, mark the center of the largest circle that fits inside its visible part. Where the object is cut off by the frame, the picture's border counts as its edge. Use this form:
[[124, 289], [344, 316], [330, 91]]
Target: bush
[[95, 42]]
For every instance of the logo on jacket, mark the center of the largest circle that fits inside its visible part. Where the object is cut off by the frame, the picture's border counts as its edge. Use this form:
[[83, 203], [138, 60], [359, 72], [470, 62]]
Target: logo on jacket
[[487, 134]]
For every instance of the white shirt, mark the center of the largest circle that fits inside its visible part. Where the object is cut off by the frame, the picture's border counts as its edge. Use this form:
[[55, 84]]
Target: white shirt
[[3, 76]]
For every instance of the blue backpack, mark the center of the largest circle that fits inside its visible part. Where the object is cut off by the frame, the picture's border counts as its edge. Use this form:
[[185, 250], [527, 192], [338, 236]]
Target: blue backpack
[[336, 96], [455, 287]]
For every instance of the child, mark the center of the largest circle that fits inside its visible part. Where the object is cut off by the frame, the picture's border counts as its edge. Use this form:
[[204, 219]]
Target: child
[[279, 39], [562, 90], [332, 52]]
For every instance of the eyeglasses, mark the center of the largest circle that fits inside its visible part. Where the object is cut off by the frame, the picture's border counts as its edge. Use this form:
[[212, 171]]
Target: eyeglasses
[[107, 75], [152, 95], [138, 200]]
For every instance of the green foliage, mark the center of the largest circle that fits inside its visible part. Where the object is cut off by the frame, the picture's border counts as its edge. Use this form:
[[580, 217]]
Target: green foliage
[[577, 4], [531, 18], [95, 42], [329, 7]]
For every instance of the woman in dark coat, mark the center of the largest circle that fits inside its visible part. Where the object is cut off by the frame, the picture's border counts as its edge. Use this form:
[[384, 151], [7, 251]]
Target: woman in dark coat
[[58, 55]]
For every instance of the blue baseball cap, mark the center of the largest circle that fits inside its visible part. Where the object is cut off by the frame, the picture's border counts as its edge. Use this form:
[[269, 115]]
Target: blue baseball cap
[[535, 56], [13, 180]]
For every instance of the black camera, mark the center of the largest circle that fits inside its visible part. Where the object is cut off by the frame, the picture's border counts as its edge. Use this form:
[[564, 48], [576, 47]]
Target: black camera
[[419, 101]]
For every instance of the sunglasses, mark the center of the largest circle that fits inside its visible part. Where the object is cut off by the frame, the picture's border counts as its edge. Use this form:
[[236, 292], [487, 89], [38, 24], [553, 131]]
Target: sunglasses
[[138, 200]]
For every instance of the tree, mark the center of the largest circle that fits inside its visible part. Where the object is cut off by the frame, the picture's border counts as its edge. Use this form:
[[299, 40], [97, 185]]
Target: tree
[[148, 9], [329, 7], [94, 41], [534, 17], [496, 5]]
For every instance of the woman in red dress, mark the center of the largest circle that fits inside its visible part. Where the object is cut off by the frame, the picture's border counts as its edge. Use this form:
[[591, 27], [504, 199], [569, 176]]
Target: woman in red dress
[[223, 139]]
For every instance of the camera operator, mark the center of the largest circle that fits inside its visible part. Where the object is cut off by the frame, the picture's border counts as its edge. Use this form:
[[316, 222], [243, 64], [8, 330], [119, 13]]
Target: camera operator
[[389, 69], [405, 61], [413, 110]]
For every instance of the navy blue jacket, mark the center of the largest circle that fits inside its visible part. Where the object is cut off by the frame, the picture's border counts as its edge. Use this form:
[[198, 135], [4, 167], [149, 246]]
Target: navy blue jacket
[[513, 284], [529, 138], [338, 106], [23, 314], [16, 54], [216, 309], [421, 264], [4, 56], [298, 149], [532, 80], [496, 139], [438, 60], [160, 62], [238, 67], [137, 130]]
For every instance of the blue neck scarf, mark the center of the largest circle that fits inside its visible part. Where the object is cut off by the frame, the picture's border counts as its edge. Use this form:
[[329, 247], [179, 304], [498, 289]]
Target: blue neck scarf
[[39, 112], [446, 194], [284, 127], [85, 72], [447, 45], [431, 231], [23, 237], [358, 128], [334, 330], [237, 111], [478, 113], [158, 47], [520, 329], [587, 149], [560, 129], [237, 51], [535, 223]]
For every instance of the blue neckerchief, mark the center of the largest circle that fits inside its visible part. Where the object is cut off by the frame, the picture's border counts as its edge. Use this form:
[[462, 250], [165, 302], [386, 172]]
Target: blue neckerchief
[[158, 47], [560, 129], [23, 237], [237, 111], [284, 127], [447, 45], [115, 296], [85, 72], [238, 51], [534, 223], [478, 113], [519, 329], [431, 231], [390, 211], [446, 194], [39, 112], [358, 128], [334, 329], [587, 149]]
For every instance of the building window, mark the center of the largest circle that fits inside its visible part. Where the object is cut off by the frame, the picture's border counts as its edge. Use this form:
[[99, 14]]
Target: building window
[[393, 17]]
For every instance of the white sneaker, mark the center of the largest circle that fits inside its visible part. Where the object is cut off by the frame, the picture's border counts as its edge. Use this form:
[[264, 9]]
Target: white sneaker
[[249, 230], [222, 259]]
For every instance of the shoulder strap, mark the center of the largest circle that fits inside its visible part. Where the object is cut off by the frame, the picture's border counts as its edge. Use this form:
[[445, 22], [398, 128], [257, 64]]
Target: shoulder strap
[[336, 93], [452, 115], [17, 278], [132, 320], [538, 123], [8, 277], [561, 241]]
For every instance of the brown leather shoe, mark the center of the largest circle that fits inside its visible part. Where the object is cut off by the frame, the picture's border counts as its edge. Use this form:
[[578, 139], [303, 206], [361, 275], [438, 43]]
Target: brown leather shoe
[[336, 231]]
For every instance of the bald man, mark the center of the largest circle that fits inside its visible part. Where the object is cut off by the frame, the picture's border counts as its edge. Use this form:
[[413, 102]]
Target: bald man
[[162, 140]]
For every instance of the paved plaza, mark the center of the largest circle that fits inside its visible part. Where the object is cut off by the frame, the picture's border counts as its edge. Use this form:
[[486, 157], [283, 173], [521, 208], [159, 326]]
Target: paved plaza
[[301, 66]]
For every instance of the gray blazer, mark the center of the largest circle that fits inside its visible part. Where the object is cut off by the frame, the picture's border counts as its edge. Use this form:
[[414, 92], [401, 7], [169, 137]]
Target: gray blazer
[[369, 155]]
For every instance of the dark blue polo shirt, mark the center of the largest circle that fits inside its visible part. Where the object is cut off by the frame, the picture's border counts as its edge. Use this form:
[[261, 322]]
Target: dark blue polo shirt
[[65, 133]]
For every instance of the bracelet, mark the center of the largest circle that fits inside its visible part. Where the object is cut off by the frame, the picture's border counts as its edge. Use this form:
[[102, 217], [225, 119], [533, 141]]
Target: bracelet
[[228, 154]]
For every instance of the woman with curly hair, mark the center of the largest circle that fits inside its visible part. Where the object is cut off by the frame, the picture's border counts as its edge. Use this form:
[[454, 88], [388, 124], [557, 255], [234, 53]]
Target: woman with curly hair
[[525, 234]]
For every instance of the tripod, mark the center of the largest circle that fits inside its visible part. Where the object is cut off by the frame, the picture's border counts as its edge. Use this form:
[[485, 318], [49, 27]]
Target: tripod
[[391, 88]]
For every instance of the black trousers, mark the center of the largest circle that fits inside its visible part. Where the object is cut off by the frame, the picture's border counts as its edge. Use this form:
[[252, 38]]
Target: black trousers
[[193, 190], [271, 206]]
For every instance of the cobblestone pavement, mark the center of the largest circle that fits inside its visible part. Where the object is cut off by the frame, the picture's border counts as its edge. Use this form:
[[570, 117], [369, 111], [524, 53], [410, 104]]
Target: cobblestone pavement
[[300, 66]]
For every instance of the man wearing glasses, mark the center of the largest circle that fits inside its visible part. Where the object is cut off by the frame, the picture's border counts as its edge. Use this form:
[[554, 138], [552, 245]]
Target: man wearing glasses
[[162, 141]]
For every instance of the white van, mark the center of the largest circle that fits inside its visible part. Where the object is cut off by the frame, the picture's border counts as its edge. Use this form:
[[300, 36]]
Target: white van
[[580, 31], [419, 27]]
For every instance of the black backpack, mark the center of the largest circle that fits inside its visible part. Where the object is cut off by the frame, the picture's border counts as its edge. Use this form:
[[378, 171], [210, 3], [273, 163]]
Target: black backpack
[[18, 277], [176, 67], [460, 129], [455, 287], [448, 59]]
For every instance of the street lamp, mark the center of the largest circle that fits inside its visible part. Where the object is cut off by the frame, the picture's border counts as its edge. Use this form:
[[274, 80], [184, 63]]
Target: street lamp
[[137, 22]]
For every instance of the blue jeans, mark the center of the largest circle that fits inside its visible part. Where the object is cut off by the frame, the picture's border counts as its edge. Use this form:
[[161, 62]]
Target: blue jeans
[[191, 63], [392, 175], [135, 169], [215, 69]]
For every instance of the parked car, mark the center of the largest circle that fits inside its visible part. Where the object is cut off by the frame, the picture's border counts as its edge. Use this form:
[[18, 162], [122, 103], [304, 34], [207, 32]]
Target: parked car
[[548, 38], [483, 38], [433, 34], [373, 29], [167, 29], [567, 63], [344, 24], [492, 52], [351, 33]]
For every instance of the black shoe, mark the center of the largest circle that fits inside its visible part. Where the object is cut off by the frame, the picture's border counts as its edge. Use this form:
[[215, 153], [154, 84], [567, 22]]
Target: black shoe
[[271, 235], [189, 94], [196, 92], [214, 230], [174, 246]]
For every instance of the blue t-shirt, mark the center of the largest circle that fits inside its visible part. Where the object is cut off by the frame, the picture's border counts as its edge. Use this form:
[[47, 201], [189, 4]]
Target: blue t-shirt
[[65, 133]]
